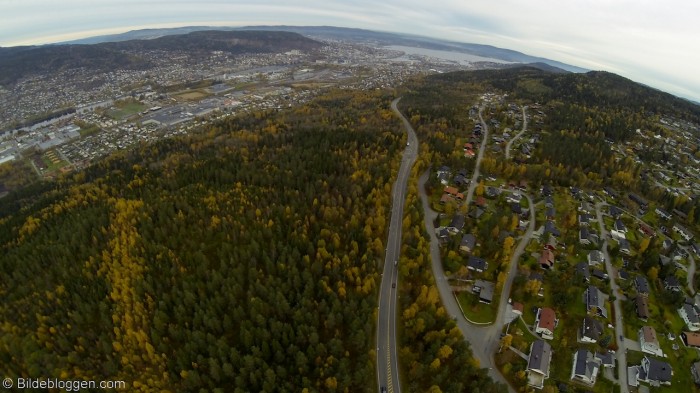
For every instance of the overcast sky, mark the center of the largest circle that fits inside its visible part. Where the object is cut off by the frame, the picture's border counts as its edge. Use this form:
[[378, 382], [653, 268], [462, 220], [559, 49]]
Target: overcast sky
[[650, 41]]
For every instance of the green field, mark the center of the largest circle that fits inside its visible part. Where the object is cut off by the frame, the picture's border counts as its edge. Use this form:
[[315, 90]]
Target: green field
[[125, 109]]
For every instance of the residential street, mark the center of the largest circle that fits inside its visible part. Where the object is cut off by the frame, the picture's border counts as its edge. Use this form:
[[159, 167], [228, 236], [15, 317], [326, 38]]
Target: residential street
[[619, 327], [510, 142]]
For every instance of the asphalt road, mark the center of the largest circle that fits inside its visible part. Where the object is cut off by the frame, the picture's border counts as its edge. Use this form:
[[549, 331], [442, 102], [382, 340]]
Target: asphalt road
[[518, 135], [621, 353], [387, 349]]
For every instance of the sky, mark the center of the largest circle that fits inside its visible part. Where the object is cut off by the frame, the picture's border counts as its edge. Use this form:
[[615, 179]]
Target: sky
[[650, 41]]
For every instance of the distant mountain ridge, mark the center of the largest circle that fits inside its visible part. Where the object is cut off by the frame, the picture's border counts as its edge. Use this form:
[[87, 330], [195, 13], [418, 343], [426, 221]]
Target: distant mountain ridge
[[360, 35], [17, 62]]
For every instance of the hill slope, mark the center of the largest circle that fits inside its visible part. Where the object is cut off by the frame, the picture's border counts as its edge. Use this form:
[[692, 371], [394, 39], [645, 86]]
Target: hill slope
[[17, 62]]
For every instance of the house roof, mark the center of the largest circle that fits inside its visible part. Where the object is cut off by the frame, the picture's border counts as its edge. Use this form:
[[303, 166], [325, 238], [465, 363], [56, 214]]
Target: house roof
[[457, 221], [486, 289], [606, 358], [517, 306], [691, 339], [671, 281], [594, 298], [615, 211], [624, 244], [585, 363], [649, 334], [596, 256], [657, 370], [547, 319], [619, 225], [642, 304], [642, 284], [582, 269], [477, 263], [451, 190], [468, 240], [690, 312], [540, 356], [592, 328]]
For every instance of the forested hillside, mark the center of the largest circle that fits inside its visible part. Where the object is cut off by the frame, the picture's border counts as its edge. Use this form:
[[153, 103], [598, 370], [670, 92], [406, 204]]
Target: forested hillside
[[243, 258]]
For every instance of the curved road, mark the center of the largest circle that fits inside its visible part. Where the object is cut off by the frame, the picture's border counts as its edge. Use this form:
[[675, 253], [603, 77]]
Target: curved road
[[387, 351], [518, 135]]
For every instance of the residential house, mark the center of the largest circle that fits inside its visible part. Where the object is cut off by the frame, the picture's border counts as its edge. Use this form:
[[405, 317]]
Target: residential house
[[690, 316], [456, 225], [691, 339], [485, 290], [671, 284], [538, 363], [453, 192], [610, 192], [591, 329], [476, 212], [547, 190], [575, 192], [624, 246], [515, 208], [548, 202], [585, 367], [646, 230], [584, 219], [550, 213], [638, 200], [443, 235], [599, 274], [546, 259], [681, 215], [461, 180], [649, 342], [514, 197], [623, 275], [663, 213], [550, 227], [585, 207], [615, 212], [695, 372], [584, 236], [492, 192], [642, 285], [477, 264], [606, 359], [595, 257], [696, 249], [681, 230], [595, 301], [642, 305], [620, 226], [468, 243], [545, 322], [443, 174], [655, 372], [582, 271], [518, 308]]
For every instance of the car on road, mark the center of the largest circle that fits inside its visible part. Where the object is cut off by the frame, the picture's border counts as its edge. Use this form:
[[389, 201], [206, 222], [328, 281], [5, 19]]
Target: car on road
[[393, 285], [383, 389]]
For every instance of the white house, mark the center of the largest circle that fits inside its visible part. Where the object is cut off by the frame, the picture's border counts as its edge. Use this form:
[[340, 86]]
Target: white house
[[690, 317], [585, 367], [649, 342]]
